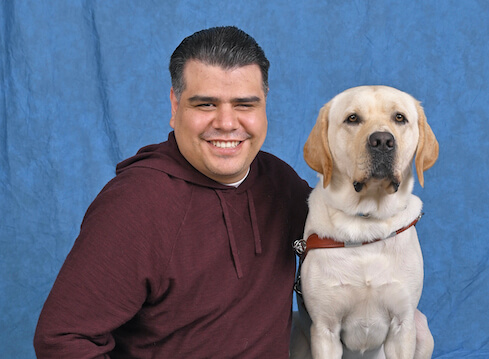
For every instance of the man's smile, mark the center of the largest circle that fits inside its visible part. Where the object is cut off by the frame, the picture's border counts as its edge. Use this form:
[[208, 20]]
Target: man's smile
[[225, 144]]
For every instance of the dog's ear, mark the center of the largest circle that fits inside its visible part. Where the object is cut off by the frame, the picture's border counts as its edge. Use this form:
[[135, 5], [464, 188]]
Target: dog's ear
[[428, 148], [316, 149]]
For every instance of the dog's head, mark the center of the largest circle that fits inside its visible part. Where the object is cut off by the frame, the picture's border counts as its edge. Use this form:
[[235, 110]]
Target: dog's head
[[371, 133]]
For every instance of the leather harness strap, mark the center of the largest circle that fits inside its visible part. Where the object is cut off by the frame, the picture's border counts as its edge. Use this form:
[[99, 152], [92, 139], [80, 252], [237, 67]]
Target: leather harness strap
[[315, 242]]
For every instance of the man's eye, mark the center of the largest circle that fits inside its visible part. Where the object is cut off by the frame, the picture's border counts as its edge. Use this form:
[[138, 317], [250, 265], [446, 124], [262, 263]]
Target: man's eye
[[245, 105], [205, 105]]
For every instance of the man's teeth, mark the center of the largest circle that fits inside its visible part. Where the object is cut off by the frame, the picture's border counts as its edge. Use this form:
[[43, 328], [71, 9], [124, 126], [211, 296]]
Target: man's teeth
[[225, 144]]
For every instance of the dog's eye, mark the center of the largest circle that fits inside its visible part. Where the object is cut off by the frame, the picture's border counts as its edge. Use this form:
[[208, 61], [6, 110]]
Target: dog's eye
[[352, 119], [400, 118]]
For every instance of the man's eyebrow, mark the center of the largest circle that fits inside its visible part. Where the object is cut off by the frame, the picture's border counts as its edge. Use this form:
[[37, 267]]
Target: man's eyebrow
[[198, 98], [246, 99], [210, 99]]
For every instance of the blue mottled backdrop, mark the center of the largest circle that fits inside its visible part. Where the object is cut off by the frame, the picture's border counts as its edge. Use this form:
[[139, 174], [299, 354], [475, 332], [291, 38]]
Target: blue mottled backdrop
[[84, 84]]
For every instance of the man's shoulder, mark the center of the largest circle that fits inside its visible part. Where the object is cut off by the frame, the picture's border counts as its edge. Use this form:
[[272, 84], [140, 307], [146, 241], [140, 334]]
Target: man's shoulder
[[267, 157], [280, 172], [145, 186], [273, 163], [142, 177]]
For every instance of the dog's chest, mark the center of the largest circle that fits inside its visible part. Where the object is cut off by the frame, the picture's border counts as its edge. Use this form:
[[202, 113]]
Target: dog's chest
[[349, 268], [376, 274]]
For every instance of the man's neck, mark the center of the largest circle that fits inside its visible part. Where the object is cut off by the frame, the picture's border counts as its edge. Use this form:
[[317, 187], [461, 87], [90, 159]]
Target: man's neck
[[236, 184]]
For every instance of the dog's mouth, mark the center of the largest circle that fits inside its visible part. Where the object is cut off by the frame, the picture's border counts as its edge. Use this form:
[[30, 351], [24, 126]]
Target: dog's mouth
[[390, 186], [380, 175]]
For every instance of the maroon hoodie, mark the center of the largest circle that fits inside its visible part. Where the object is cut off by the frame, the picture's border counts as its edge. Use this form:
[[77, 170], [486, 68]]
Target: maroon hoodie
[[171, 264]]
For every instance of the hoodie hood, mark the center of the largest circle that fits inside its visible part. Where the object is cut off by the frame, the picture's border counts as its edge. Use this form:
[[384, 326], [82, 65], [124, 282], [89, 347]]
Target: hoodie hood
[[166, 157]]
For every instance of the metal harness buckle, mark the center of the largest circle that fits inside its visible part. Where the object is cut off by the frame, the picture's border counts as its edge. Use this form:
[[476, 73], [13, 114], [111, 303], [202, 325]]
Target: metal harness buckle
[[299, 246]]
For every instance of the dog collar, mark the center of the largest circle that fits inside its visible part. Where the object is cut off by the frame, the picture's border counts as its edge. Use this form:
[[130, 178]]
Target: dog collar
[[302, 246]]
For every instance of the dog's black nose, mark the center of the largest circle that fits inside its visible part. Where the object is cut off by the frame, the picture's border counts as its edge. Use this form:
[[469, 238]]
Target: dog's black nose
[[382, 141]]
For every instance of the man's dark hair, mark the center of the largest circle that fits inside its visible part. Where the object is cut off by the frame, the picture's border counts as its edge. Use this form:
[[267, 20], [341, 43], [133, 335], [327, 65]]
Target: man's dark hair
[[227, 47]]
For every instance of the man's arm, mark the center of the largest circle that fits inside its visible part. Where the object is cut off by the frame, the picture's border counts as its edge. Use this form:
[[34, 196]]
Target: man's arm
[[103, 282]]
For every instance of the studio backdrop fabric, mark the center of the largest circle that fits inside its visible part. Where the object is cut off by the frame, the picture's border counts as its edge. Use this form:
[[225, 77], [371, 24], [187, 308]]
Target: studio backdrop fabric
[[85, 84]]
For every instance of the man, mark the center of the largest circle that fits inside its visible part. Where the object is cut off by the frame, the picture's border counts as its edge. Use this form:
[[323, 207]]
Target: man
[[187, 252]]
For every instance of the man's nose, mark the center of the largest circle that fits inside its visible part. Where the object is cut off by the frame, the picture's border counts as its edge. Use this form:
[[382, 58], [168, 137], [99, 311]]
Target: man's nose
[[226, 118]]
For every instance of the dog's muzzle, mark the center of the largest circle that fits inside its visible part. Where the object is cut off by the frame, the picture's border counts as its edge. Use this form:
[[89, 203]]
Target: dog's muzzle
[[382, 149]]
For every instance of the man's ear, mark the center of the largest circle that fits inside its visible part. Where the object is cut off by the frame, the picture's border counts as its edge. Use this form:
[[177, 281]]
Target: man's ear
[[428, 148], [316, 149], [174, 107]]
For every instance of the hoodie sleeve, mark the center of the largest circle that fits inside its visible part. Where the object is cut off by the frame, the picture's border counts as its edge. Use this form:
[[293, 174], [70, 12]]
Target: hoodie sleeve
[[110, 272]]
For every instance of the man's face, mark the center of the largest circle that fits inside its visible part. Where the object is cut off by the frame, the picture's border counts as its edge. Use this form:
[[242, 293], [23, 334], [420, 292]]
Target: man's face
[[220, 120]]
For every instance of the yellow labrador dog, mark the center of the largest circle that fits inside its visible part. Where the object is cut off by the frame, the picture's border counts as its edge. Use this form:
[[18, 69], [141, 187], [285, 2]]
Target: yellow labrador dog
[[362, 274]]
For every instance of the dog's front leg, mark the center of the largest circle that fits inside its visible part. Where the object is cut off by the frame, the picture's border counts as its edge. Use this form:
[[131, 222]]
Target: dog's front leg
[[325, 342], [424, 339], [401, 340]]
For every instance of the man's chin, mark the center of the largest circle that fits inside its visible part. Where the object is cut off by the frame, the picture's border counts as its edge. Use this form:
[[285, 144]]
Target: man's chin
[[222, 172]]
